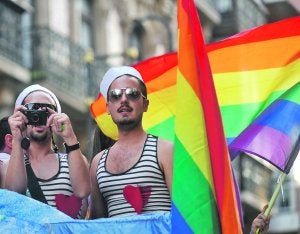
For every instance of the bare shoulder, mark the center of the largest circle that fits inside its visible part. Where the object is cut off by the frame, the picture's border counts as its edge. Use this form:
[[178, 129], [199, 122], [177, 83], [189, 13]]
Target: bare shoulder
[[165, 150], [165, 145], [96, 159]]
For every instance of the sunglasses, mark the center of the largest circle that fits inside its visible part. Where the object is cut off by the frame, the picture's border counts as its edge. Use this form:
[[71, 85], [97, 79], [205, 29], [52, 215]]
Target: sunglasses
[[132, 94], [38, 106]]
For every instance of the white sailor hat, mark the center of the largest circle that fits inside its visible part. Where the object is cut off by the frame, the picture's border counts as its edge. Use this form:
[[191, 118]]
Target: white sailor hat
[[115, 72]]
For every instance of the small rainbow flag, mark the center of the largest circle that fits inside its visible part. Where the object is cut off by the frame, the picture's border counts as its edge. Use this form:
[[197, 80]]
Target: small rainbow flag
[[203, 192], [275, 134]]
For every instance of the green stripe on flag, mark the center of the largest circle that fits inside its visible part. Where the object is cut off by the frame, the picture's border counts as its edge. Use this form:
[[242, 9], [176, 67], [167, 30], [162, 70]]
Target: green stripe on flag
[[196, 192], [293, 95], [237, 117], [164, 129]]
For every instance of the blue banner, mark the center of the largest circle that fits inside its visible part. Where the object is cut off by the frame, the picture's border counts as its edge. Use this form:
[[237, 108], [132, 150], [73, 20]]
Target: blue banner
[[20, 214]]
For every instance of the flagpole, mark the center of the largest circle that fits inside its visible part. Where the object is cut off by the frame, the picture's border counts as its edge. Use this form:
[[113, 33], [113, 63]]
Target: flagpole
[[274, 196]]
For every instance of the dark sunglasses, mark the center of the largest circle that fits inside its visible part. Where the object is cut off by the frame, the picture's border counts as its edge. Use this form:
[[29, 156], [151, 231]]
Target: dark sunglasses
[[132, 94], [38, 106]]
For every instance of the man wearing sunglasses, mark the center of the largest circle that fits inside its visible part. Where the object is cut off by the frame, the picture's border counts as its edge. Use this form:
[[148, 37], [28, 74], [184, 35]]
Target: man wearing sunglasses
[[57, 179], [134, 175]]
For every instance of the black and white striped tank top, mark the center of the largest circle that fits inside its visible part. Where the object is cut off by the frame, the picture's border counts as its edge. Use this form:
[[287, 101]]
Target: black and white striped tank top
[[58, 184], [141, 189]]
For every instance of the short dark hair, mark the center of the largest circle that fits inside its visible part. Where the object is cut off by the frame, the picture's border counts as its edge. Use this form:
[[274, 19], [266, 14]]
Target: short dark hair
[[143, 87], [4, 129]]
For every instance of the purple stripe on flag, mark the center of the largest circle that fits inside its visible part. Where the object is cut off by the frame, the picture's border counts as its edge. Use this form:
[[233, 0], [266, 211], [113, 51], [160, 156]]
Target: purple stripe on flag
[[283, 115], [265, 142]]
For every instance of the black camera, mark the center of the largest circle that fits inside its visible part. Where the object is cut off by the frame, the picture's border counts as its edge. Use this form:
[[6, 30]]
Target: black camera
[[36, 117]]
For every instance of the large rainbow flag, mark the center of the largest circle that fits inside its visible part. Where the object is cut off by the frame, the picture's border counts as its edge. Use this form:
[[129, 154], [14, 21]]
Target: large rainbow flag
[[250, 70], [203, 192]]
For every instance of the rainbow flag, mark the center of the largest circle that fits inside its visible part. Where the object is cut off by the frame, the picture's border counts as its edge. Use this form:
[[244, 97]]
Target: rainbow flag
[[247, 79], [275, 134], [203, 192], [252, 69]]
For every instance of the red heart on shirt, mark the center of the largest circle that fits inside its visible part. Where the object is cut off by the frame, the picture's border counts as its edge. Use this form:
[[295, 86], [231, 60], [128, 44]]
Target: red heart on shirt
[[145, 191], [70, 205], [137, 196]]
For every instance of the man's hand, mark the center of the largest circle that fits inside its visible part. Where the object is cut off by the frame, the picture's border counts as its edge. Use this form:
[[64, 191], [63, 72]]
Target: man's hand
[[17, 122], [261, 222], [61, 125]]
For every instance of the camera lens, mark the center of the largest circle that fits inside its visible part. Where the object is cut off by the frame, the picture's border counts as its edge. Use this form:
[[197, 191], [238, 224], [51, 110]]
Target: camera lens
[[35, 118]]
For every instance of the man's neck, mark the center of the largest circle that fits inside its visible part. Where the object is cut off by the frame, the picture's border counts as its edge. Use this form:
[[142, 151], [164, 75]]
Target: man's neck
[[38, 150], [131, 136]]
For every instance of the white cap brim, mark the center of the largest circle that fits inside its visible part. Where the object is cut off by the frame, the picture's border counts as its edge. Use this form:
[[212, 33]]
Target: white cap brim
[[114, 73], [33, 88]]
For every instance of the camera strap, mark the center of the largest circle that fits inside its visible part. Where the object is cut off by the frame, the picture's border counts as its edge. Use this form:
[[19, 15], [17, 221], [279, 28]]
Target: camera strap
[[33, 184]]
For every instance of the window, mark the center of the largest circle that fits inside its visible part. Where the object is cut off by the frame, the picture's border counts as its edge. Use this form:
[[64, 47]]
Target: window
[[13, 31], [86, 24], [224, 5], [136, 40]]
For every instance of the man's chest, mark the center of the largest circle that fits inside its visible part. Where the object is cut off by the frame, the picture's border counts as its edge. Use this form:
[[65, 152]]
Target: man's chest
[[120, 162], [45, 169]]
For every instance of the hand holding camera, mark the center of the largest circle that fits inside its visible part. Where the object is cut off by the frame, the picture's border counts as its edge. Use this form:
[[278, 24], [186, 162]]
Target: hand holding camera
[[37, 113], [60, 124], [36, 117]]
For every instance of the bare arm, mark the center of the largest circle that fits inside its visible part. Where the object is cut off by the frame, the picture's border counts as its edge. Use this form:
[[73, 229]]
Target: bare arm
[[3, 169], [165, 158], [97, 207], [79, 174], [16, 178], [1, 175]]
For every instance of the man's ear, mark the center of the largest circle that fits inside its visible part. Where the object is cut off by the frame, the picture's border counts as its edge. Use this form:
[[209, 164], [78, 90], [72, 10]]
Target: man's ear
[[8, 140], [107, 110], [146, 105]]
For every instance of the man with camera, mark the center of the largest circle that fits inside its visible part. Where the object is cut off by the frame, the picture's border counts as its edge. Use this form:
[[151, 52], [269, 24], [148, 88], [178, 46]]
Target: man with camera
[[35, 168]]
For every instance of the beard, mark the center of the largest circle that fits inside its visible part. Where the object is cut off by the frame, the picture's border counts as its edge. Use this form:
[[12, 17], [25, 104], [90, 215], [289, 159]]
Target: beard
[[128, 124], [40, 137]]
